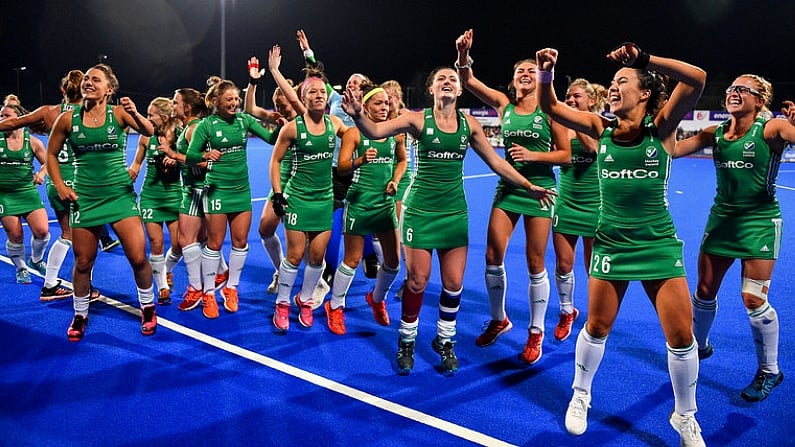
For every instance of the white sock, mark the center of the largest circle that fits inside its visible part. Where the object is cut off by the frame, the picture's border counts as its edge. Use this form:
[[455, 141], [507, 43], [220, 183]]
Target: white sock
[[312, 274], [342, 282], [587, 356], [210, 261], [222, 266], [379, 251], [17, 254], [565, 286], [683, 369], [80, 305], [408, 331], [55, 259], [158, 263], [538, 295], [237, 259], [764, 327], [38, 247], [193, 264], [171, 260], [495, 287], [703, 315], [146, 296], [287, 274], [383, 281], [273, 246]]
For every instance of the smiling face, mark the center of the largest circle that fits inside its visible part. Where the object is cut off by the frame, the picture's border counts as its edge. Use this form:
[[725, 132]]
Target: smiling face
[[744, 96], [577, 97], [377, 106], [95, 85], [314, 94], [524, 77], [445, 85], [625, 91], [284, 107], [227, 101]]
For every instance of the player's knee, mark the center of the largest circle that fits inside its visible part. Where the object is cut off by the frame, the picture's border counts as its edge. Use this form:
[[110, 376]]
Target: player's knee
[[754, 292]]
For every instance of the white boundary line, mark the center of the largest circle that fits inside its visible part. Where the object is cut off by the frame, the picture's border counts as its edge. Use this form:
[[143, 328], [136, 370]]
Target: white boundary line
[[345, 390]]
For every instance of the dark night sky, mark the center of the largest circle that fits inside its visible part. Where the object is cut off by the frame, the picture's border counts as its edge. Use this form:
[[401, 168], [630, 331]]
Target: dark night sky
[[156, 46]]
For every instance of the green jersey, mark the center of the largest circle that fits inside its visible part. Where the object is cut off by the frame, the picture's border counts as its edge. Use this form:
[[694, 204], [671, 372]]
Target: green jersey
[[16, 167], [368, 209], [100, 152], [534, 133], [192, 176]]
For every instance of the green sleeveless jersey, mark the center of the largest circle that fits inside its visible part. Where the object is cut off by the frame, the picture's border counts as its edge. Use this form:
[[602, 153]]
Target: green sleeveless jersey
[[310, 173], [533, 132], [371, 178], [192, 176], [746, 170], [16, 167], [231, 138], [438, 181], [100, 152], [157, 183], [633, 180], [65, 157], [580, 178]]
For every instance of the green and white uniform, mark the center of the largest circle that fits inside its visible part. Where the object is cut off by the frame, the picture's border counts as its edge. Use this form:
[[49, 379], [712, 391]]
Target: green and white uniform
[[192, 202], [227, 182], [66, 161], [435, 207], [103, 185], [635, 237], [309, 191], [577, 206], [745, 220], [285, 166], [18, 193], [533, 132], [161, 193], [405, 181], [368, 209]]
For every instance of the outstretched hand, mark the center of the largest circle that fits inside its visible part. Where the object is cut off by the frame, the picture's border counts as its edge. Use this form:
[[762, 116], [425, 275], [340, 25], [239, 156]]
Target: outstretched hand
[[789, 111], [352, 102], [254, 71], [546, 59], [274, 57], [303, 41]]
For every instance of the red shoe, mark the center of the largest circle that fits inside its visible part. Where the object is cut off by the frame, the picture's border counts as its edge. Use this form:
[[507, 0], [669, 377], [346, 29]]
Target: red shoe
[[164, 298], [379, 310], [190, 299], [56, 292], [210, 308], [77, 329], [230, 299], [532, 350], [336, 318], [148, 319], [305, 316], [221, 278], [563, 329], [281, 316], [493, 331]]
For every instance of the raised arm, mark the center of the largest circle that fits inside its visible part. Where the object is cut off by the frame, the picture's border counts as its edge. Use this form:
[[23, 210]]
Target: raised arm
[[489, 96], [781, 132], [128, 115], [250, 100], [591, 124], [274, 61], [703, 139], [410, 122], [35, 117]]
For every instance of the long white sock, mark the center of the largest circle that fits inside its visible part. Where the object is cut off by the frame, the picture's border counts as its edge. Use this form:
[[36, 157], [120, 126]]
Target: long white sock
[[342, 282], [222, 265], [273, 247], [158, 263], [55, 259], [565, 286], [703, 315], [287, 274], [383, 281], [538, 295], [237, 259], [171, 260], [17, 254], [495, 287], [312, 274], [683, 369], [80, 305], [38, 247], [193, 264], [587, 357], [764, 327], [210, 261], [146, 296]]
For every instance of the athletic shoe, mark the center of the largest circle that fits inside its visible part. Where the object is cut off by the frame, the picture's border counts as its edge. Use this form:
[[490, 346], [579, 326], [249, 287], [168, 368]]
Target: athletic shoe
[[108, 244], [56, 292], [563, 329], [445, 350], [379, 310], [148, 319], [706, 351], [761, 386], [40, 266], [688, 429], [370, 266], [335, 318], [493, 330], [281, 317], [532, 349], [93, 294], [210, 306], [77, 329], [23, 277], [164, 299], [273, 287], [221, 278], [229, 295], [170, 280], [190, 299], [320, 293], [399, 291], [577, 413], [305, 316], [405, 356]]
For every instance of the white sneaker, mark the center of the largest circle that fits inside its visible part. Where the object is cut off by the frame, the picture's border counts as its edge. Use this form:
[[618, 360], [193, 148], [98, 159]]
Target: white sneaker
[[577, 413], [321, 291], [688, 429], [274, 285]]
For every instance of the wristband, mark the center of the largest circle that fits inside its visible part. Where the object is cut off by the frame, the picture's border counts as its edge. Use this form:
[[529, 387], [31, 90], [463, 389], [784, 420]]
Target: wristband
[[253, 81], [467, 65], [642, 61], [309, 55], [545, 77]]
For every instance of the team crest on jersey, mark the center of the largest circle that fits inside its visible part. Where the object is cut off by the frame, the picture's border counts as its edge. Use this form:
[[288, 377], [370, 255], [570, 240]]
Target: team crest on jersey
[[651, 152], [111, 130], [463, 138], [748, 149], [330, 138], [537, 119]]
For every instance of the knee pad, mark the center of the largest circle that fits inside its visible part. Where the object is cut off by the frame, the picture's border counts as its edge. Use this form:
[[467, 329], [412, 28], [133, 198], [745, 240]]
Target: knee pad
[[756, 287]]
